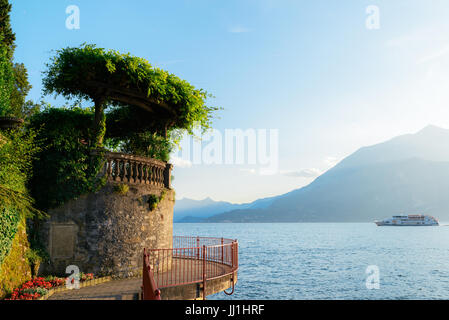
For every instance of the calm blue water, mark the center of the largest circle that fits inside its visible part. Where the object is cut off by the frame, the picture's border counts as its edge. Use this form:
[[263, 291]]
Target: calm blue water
[[329, 260]]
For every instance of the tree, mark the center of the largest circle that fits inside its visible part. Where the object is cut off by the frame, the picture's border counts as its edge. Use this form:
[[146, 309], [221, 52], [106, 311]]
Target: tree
[[14, 83], [160, 101], [9, 37], [21, 107], [6, 82]]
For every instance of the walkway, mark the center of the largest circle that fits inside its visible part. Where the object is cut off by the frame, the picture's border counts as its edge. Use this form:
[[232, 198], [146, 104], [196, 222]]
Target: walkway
[[128, 289], [183, 271]]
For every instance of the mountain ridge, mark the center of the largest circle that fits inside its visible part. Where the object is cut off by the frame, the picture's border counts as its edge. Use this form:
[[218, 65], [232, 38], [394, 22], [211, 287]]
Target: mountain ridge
[[406, 174]]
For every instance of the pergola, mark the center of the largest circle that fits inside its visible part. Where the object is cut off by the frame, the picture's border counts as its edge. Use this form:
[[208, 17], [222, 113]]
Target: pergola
[[159, 111], [109, 78]]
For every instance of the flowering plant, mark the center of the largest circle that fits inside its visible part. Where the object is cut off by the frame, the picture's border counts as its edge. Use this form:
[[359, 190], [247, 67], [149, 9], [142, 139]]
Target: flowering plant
[[86, 276], [37, 287]]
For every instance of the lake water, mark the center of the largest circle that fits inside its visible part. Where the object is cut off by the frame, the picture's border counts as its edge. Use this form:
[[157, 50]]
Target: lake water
[[280, 261]]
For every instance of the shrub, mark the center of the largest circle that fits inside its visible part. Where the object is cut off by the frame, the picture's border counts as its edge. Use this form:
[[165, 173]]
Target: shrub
[[154, 200], [121, 189]]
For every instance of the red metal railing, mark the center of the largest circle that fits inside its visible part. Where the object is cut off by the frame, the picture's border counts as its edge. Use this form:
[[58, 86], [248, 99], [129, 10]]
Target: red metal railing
[[149, 289], [193, 260]]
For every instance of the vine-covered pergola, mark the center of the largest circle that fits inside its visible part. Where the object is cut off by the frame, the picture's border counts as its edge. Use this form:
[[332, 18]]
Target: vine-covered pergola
[[144, 98]]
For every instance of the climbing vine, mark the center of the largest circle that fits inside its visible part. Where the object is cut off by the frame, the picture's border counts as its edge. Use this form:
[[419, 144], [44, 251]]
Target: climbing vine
[[64, 169], [17, 148]]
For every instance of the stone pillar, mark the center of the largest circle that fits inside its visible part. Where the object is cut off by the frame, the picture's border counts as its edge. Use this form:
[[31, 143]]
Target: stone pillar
[[167, 175]]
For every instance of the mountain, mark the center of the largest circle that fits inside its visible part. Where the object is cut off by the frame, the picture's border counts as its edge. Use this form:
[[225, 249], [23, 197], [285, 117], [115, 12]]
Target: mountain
[[407, 174], [189, 210]]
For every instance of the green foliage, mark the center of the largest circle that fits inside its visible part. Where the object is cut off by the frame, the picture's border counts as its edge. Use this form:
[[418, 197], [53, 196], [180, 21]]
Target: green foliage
[[154, 200], [35, 256], [129, 131], [14, 269], [40, 291], [7, 36], [64, 169], [14, 85], [121, 188], [17, 149], [145, 144], [20, 107], [6, 83], [9, 224], [76, 72]]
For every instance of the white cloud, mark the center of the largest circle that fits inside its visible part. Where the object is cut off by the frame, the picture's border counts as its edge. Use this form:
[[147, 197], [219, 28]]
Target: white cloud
[[303, 173], [331, 161], [180, 163], [311, 172], [435, 55], [252, 171]]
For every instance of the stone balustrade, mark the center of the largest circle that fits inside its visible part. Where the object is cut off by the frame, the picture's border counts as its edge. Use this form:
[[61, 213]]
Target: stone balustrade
[[128, 168]]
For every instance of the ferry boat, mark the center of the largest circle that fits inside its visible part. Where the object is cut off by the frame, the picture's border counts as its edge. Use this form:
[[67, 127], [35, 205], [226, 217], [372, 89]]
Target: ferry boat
[[410, 220]]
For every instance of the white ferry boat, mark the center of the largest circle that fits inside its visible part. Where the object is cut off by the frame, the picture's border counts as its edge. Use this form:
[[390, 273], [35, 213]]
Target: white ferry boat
[[410, 220]]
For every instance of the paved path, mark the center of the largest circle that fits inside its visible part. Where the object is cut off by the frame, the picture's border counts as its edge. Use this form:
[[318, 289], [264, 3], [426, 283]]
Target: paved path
[[128, 289], [183, 271]]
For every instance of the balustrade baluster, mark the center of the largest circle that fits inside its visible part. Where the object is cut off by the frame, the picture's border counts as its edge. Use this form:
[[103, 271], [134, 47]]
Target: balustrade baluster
[[139, 172], [153, 173], [109, 168], [121, 169], [144, 173], [133, 177], [128, 168], [138, 176], [161, 180]]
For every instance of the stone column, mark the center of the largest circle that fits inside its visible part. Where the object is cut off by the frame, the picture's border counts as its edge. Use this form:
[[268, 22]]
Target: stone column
[[167, 175]]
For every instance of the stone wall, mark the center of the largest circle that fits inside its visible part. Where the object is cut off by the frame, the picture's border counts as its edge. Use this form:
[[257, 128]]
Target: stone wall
[[105, 233]]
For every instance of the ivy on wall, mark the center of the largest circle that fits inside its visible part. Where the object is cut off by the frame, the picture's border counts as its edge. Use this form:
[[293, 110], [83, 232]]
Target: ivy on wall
[[9, 224], [64, 168], [17, 148], [15, 269]]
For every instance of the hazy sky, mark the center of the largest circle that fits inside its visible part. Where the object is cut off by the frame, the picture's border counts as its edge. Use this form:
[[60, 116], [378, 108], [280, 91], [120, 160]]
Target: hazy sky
[[310, 69]]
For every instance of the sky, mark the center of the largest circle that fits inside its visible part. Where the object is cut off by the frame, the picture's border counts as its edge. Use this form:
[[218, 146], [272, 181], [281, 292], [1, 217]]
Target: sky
[[323, 77]]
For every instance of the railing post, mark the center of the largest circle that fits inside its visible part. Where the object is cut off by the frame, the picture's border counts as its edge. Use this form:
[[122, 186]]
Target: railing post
[[149, 290], [198, 247], [167, 175], [222, 251], [232, 255], [204, 272], [236, 261]]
